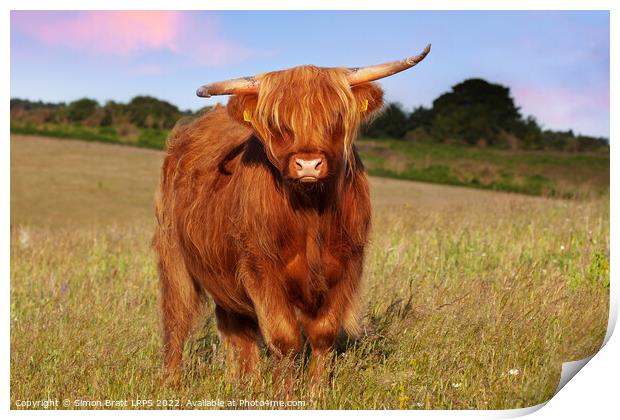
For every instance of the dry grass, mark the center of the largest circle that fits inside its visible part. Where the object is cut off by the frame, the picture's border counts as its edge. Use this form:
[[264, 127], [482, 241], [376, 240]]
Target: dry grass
[[473, 298], [65, 182]]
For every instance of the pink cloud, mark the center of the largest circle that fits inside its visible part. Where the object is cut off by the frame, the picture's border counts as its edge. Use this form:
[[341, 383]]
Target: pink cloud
[[195, 39], [562, 107], [104, 32]]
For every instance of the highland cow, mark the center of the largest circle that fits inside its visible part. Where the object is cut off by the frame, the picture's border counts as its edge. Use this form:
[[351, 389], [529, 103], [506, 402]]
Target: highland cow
[[264, 206]]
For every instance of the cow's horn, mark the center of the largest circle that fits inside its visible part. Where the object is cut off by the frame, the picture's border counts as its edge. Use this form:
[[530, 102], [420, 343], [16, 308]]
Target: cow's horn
[[368, 74], [229, 87], [355, 76]]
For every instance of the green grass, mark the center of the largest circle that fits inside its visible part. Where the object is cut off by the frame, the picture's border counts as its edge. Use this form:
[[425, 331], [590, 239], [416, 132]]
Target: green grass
[[546, 173], [473, 298], [151, 138]]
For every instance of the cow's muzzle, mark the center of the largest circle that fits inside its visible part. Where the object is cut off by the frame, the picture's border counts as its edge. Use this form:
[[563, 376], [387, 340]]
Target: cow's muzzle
[[308, 167]]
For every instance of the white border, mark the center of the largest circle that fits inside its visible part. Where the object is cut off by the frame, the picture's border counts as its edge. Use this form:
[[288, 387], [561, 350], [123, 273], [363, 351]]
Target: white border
[[592, 394]]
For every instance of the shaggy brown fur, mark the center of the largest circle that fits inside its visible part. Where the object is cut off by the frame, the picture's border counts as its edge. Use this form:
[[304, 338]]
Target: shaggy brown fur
[[276, 256]]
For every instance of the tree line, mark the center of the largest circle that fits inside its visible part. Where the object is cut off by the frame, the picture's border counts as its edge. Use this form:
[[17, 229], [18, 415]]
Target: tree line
[[478, 113], [475, 112], [125, 119]]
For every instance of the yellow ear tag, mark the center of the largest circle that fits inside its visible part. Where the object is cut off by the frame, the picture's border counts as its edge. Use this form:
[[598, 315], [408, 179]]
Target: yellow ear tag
[[246, 116], [365, 106]]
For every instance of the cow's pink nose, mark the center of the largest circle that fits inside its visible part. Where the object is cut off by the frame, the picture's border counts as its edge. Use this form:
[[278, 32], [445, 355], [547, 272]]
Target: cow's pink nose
[[308, 170], [308, 167]]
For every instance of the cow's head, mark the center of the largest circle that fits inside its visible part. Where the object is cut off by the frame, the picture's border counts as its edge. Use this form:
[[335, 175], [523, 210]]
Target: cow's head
[[307, 117]]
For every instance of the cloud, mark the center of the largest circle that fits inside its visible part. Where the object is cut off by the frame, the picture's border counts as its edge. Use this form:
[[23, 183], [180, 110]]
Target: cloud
[[586, 111], [192, 37], [102, 32]]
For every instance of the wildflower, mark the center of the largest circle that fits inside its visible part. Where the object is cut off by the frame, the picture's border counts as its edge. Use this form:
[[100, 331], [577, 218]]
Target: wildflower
[[513, 372], [456, 385], [561, 247]]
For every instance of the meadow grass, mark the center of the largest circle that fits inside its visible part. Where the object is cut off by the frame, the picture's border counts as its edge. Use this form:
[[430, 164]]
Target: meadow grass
[[472, 298], [534, 172], [150, 138]]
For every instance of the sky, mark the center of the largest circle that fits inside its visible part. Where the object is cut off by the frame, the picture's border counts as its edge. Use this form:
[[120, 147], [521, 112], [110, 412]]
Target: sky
[[556, 63]]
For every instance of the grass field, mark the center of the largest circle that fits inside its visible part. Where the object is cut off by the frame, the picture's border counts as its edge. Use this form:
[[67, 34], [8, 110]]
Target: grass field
[[544, 173], [473, 297]]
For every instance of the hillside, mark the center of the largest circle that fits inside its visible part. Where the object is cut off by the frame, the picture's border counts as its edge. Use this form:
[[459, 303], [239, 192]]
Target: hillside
[[60, 183], [546, 173], [533, 172]]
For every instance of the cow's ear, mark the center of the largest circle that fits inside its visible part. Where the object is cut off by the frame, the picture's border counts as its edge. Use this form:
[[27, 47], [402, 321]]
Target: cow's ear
[[241, 108], [369, 97]]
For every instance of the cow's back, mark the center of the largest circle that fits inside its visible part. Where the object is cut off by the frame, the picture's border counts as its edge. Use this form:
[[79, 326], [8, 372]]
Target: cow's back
[[194, 203]]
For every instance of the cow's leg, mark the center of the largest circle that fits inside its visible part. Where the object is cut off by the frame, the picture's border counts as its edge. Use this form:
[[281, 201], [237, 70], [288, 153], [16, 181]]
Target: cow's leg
[[179, 303], [239, 335], [338, 311], [283, 336], [321, 330], [279, 328]]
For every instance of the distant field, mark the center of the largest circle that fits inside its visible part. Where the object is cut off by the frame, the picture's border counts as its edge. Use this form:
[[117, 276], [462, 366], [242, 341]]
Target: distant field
[[473, 297], [545, 173], [68, 183]]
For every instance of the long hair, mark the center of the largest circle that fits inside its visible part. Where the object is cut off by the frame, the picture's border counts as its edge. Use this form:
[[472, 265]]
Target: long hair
[[307, 102]]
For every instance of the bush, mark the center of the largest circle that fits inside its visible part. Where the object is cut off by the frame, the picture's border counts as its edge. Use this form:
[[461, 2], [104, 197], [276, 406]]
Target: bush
[[392, 122], [149, 112], [420, 135], [81, 109]]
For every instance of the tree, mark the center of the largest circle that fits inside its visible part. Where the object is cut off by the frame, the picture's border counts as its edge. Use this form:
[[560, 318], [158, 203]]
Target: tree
[[114, 113], [81, 109], [530, 133], [475, 110], [392, 122], [420, 118], [149, 112]]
